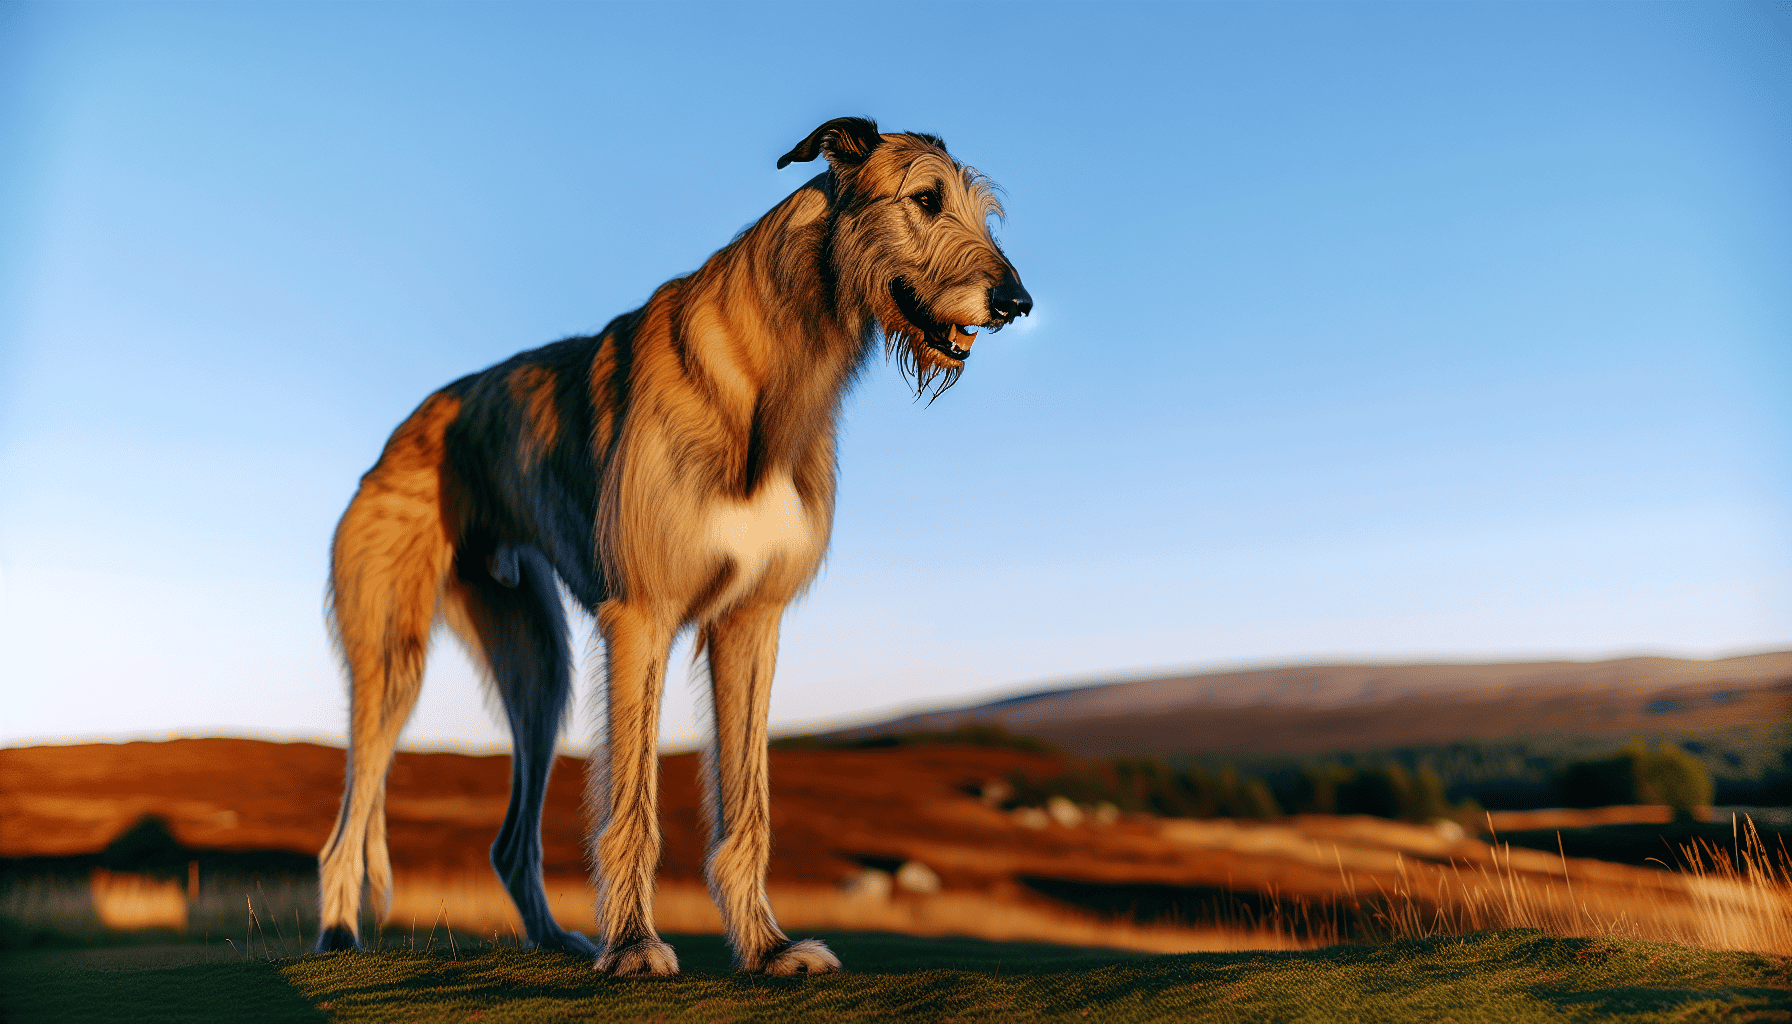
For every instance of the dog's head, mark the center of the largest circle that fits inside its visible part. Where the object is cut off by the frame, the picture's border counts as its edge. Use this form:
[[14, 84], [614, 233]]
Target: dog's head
[[911, 241]]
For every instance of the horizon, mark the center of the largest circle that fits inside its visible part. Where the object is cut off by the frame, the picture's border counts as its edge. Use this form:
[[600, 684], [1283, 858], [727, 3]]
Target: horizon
[[570, 745]]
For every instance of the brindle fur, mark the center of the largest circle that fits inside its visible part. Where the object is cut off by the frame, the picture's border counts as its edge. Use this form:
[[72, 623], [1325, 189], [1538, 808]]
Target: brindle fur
[[675, 469]]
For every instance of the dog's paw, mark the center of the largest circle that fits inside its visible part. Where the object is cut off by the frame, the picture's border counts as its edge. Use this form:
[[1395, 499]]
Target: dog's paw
[[807, 956], [335, 939], [648, 958]]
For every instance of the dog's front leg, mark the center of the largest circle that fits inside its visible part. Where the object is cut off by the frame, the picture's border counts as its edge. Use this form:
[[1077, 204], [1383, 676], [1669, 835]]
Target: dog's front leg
[[743, 650], [625, 789]]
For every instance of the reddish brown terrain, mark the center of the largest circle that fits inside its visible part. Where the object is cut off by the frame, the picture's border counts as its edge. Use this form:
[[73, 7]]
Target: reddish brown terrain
[[836, 813], [444, 809]]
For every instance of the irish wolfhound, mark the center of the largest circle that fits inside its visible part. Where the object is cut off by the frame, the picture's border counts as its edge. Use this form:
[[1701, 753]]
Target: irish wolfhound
[[675, 469]]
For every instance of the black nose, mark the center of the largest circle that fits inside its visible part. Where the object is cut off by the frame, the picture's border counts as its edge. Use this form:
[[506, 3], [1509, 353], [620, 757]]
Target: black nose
[[1009, 299]]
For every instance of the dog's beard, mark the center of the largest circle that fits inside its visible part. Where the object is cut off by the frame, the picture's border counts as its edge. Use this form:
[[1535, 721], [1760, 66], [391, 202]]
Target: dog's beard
[[918, 365]]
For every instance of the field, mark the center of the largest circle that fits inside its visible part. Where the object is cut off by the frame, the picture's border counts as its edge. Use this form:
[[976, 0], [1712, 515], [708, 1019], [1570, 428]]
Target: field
[[239, 810], [201, 912]]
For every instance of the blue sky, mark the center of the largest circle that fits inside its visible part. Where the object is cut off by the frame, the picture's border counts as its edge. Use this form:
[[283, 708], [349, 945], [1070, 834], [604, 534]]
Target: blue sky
[[1363, 331]]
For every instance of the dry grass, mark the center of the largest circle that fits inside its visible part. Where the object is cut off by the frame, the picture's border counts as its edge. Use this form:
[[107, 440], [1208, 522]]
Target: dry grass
[[1387, 881], [1738, 899], [1574, 817], [1744, 893]]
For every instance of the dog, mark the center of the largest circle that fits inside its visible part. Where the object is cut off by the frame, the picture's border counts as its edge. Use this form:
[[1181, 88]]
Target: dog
[[674, 470]]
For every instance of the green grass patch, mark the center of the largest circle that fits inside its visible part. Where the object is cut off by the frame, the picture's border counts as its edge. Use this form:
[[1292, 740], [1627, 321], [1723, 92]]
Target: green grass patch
[[1498, 977], [148, 984]]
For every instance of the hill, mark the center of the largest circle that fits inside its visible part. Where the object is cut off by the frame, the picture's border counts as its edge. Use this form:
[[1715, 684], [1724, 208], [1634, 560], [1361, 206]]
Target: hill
[[1316, 709]]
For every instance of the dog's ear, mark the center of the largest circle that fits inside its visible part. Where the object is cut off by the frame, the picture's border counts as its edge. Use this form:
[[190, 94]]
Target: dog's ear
[[844, 141]]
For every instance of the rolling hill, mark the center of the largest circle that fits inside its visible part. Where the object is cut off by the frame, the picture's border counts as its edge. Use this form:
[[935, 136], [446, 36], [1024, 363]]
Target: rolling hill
[[1316, 709]]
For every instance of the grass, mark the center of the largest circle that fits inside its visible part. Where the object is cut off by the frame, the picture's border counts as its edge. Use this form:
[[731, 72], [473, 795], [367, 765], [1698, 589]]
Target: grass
[[1501, 942], [1737, 895], [148, 984], [61, 911], [1505, 977]]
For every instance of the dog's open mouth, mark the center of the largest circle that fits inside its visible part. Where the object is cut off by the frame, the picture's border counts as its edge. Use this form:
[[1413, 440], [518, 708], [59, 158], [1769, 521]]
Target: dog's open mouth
[[950, 340]]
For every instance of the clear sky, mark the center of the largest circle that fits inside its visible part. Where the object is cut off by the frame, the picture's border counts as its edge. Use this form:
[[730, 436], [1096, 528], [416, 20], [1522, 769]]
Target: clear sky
[[1363, 331]]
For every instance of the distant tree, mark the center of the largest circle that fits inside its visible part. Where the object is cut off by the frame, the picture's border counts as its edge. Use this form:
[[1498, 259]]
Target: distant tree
[[1191, 794], [1256, 801], [1637, 775], [1149, 785], [1316, 790], [1671, 776], [1598, 783], [982, 734], [1384, 791], [970, 734], [1374, 791], [1425, 801]]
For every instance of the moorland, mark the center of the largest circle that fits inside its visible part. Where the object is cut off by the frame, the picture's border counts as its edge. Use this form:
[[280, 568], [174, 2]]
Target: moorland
[[959, 871]]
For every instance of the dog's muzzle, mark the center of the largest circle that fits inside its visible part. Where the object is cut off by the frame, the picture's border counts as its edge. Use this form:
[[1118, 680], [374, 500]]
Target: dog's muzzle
[[941, 337], [1009, 299]]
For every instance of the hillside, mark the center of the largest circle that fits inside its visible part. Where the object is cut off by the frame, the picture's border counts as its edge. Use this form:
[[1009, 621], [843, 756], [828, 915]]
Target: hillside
[[1317, 709]]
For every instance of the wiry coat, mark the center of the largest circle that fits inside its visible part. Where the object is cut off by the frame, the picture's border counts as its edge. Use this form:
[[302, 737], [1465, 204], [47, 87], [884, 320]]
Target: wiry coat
[[675, 469]]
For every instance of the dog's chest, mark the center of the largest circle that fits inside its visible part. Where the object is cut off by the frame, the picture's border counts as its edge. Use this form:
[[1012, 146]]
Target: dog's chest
[[770, 525]]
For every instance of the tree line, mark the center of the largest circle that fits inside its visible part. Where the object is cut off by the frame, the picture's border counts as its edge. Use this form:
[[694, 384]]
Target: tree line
[[1634, 774]]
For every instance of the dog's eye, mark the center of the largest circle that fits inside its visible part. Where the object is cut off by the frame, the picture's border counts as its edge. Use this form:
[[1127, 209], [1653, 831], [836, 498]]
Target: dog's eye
[[929, 201]]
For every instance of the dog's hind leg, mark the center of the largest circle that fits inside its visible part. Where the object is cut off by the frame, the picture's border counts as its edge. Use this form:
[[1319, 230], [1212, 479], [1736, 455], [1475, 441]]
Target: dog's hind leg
[[390, 554], [625, 782], [743, 651], [514, 621]]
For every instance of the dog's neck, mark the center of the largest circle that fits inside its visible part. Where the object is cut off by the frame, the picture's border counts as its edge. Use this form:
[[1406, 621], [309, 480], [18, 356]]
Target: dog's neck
[[778, 277], [766, 340]]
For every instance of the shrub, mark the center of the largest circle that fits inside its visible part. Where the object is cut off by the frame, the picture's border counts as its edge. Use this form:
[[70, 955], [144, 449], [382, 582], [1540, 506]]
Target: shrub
[[1149, 785], [1256, 801], [1599, 783], [1672, 776], [1425, 800], [1385, 791], [1317, 790], [1375, 791], [1637, 775]]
